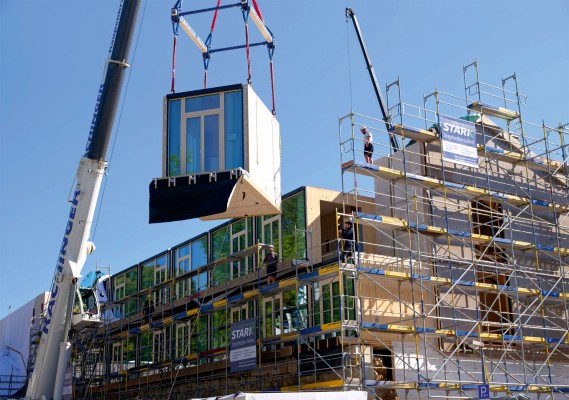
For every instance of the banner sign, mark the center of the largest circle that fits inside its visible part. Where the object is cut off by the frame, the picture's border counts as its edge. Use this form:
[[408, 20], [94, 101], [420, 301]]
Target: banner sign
[[243, 349], [459, 141], [67, 393]]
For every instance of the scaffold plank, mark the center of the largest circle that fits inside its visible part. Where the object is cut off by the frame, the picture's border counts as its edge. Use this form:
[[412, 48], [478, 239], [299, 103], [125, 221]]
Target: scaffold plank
[[478, 286], [393, 328], [498, 112], [401, 224], [409, 132], [471, 192]]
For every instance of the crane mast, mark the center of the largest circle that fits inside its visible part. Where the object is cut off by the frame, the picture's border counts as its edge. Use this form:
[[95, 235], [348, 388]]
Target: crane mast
[[54, 348]]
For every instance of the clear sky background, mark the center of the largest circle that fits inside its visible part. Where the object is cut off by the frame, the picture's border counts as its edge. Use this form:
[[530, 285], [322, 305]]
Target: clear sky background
[[51, 62]]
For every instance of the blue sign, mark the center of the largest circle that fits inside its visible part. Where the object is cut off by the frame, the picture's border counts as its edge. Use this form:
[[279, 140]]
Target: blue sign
[[484, 391], [243, 349], [459, 141]]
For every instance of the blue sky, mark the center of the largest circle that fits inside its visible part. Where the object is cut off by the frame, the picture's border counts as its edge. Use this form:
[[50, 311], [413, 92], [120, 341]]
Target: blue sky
[[51, 62]]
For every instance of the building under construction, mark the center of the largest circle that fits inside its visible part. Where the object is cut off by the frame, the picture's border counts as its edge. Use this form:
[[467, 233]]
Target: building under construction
[[456, 285]]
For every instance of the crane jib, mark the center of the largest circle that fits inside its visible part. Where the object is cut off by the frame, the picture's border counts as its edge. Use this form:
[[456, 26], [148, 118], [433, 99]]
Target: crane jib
[[61, 261], [94, 120]]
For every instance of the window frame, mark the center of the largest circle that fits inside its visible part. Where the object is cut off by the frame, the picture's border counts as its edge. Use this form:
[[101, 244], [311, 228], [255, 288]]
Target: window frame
[[181, 130]]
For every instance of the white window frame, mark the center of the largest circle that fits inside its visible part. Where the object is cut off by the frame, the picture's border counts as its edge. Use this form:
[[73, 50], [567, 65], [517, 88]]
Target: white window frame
[[117, 357], [182, 330], [243, 233], [269, 224], [160, 345], [161, 296], [118, 311], [182, 288], [202, 114]]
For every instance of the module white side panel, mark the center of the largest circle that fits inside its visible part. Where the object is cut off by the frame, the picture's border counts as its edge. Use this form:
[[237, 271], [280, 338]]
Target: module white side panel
[[263, 146]]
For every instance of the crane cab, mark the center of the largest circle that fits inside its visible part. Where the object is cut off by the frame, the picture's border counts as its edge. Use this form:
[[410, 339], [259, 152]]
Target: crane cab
[[220, 157], [86, 305]]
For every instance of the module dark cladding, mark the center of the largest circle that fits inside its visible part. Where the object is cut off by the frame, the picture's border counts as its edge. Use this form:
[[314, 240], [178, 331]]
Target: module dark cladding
[[177, 199]]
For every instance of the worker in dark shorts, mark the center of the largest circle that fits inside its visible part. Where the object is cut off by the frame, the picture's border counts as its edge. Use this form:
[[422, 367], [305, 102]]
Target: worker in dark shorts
[[270, 262], [346, 240], [368, 145]]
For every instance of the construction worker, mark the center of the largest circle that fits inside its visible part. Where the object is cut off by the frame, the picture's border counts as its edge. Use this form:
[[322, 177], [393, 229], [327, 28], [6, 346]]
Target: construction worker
[[270, 262], [368, 145], [346, 239]]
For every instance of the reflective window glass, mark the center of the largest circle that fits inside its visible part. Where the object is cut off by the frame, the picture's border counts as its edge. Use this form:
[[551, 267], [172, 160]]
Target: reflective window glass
[[193, 145], [147, 275], [211, 143], [199, 253], [202, 103], [233, 126], [220, 243], [293, 216], [174, 153]]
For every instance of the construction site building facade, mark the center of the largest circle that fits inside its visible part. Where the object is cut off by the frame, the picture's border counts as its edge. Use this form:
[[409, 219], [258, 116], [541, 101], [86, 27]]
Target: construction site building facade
[[455, 285]]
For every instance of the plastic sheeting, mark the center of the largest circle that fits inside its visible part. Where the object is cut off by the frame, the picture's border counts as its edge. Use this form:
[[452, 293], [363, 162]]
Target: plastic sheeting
[[14, 343], [349, 395]]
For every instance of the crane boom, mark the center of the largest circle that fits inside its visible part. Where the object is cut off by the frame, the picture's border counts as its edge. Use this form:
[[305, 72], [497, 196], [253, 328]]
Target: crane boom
[[386, 118], [53, 349]]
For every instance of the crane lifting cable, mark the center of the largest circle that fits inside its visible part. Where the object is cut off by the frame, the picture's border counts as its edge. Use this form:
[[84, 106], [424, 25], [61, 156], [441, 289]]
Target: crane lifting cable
[[205, 46]]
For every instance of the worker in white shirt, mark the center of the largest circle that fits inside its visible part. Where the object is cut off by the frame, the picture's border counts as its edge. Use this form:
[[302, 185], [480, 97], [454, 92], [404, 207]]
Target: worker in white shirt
[[368, 145]]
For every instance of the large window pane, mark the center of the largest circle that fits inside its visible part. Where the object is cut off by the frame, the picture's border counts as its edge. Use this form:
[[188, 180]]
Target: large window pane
[[203, 281], [219, 329], [174, 153], [145, 348], [131, 282], [130, 352], [198, 333], [199, 253], [195, 284], [293, 217], [193, 145], [233, 125], [131, 307], [211, 143], [147, 275], [336, 301], [220, 243], [221, 274], [202, 103]]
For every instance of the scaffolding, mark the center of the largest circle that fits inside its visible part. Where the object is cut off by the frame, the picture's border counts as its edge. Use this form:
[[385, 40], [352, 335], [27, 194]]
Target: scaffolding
[[470, 263], [455, 288]]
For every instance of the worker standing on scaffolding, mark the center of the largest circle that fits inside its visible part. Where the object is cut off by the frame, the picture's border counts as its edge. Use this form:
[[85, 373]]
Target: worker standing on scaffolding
[[368, 145], [270, 262], [346, 241]]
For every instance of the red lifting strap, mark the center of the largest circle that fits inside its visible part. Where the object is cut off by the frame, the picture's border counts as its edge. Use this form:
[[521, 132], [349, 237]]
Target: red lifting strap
[[174, 64], [215, 16], [273, 87], [248, 54], [257, 10]]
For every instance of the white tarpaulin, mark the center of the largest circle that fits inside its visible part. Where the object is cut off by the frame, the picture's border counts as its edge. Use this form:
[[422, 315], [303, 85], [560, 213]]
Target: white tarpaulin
[[15, 346], [349, 395]]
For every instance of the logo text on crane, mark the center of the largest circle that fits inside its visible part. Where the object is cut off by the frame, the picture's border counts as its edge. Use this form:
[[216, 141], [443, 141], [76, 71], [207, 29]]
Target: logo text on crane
[[61, 261]]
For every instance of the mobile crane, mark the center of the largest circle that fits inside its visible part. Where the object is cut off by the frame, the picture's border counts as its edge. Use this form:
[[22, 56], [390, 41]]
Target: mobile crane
[[54, 347]]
